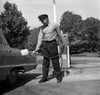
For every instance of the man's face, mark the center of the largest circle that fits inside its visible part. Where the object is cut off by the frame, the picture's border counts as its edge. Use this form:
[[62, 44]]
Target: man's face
[[45, 21]]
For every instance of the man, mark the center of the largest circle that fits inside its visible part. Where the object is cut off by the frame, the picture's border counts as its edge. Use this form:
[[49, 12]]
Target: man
[[47, 37]]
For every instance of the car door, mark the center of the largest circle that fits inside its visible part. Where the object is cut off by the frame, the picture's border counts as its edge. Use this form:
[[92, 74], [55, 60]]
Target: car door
[[3, 59]]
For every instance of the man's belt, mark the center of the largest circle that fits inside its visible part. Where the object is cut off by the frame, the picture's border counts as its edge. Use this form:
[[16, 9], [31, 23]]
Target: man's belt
[[49, 41]]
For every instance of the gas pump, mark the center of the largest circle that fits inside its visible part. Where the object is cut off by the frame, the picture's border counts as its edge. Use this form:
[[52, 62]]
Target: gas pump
[[65, 57]]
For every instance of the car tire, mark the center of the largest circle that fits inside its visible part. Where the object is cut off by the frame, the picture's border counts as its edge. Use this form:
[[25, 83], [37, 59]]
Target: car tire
[[12, 77]]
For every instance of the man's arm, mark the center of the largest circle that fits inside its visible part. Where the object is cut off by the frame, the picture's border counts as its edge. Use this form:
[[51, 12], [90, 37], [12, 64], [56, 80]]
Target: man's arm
[[39, 42], [59, 34]]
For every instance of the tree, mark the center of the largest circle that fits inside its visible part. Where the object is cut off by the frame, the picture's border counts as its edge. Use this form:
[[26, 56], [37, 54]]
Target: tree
[[84, 35], [14, 26], [70, 24], [91, 32]]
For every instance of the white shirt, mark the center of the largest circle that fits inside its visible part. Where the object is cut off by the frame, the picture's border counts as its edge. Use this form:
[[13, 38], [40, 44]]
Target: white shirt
[[49, 33]]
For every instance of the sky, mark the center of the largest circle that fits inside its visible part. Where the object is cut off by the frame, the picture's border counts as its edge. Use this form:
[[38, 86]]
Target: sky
[[32, 8]]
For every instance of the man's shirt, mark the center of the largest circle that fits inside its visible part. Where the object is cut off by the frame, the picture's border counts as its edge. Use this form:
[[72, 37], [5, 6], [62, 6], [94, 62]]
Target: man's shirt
[[49, 33]]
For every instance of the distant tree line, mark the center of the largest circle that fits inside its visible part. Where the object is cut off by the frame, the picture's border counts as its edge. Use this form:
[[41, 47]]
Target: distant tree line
[[84, 35]]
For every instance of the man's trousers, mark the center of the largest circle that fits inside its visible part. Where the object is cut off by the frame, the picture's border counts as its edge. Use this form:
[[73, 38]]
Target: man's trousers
[[50, 49]]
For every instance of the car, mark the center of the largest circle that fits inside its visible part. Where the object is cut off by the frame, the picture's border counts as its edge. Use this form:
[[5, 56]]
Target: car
[[12, 61]]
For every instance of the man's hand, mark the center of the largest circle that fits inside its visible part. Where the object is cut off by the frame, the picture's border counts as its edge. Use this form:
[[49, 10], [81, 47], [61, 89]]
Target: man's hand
[[62, 46], [67, 43], [32, 53]]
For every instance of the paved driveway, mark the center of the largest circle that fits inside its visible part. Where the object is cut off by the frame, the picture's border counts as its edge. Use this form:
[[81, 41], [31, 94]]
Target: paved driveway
[[83, 79]]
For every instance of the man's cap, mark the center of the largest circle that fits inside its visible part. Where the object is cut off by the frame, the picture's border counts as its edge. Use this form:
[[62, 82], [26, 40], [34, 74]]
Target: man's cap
[[42, 17]]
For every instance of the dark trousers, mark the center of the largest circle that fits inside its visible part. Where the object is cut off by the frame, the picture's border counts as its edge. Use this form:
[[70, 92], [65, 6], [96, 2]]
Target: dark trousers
[[50, 49]]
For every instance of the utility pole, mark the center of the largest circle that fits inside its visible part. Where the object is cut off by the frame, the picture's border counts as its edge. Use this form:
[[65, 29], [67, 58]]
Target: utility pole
[[54, 10]]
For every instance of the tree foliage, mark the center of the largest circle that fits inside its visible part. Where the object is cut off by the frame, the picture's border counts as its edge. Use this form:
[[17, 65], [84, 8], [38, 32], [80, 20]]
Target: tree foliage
[[84, 35], [91, 33], [70, 24], [14, 26]]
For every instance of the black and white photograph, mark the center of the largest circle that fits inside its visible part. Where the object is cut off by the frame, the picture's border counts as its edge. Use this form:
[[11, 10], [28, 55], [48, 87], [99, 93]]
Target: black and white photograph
[[49, 47]]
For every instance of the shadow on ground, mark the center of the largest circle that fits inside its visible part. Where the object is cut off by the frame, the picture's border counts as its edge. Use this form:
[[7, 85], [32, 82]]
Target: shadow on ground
[[22, 80]]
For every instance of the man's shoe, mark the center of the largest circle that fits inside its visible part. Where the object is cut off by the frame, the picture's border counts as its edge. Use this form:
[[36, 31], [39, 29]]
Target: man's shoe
[[59, 80], [43, 80]]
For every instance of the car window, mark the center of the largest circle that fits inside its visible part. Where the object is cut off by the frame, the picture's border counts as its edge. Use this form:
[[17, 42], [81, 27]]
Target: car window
[[1, 41]]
